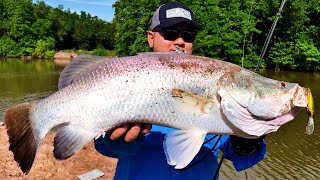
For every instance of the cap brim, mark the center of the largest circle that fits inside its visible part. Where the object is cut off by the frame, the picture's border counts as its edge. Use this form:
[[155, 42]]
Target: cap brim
[[175, 21]]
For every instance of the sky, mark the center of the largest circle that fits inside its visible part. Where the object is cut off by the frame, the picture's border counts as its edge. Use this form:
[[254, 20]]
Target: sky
[[100, 8]]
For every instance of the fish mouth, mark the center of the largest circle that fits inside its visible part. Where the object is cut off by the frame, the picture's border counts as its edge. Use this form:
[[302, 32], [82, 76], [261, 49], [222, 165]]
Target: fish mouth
[[300, 97], [281, 120], [253, 125], [179, 50]]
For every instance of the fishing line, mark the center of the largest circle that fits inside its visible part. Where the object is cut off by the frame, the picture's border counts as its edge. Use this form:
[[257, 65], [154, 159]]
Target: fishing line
[[222, 158], [206, 155], [209, 140], [219, 166], [266, 44]]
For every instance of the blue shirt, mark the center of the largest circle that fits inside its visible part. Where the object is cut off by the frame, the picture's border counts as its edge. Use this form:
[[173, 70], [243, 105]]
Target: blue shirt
[[145, 158]]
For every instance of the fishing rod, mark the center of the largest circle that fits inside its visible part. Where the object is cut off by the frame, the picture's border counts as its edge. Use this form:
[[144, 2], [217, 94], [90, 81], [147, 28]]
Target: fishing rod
[[263, 51], [266, 44]]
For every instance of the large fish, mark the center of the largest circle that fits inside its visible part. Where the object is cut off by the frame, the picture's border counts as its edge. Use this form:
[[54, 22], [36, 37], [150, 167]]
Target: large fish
[[197, 95]]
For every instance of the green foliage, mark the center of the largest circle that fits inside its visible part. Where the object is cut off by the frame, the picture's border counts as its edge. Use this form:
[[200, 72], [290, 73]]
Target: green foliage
[[225, 24], [132, 22], [37, 29], [233, 30], [99, 51], [308, 51], [44, 48], [7, 46], [49, 53], [302, 54], [282, 54], [307, 54]]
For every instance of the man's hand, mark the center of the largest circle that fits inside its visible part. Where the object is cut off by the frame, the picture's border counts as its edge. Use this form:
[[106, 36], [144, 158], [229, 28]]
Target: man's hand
[[130, 131], [245, 146]]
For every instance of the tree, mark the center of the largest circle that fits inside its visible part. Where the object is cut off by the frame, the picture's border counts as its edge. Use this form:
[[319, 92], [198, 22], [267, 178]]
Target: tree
[[296, 42], [225, 24], [44, 48], [132, 22], [16, 25], [30, 29], [42, 25], [232, 29]]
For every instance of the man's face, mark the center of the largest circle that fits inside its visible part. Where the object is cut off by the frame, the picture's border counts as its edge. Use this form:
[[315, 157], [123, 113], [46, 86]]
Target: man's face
[[172, 38]]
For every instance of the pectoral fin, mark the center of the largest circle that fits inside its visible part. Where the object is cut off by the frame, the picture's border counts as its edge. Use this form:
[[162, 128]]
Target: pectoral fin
[[181, 146], [189, 102], [69, 140]]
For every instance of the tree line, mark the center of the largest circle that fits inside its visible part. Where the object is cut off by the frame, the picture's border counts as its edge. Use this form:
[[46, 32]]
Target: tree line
[[38, 29], [233, 30]]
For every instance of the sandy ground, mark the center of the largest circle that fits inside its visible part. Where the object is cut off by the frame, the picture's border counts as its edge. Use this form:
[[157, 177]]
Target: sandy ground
[[47, 167]]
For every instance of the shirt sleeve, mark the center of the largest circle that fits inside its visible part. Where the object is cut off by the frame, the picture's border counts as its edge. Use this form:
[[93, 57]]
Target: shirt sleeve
[[242, 162], [117, 148], [120, 148]]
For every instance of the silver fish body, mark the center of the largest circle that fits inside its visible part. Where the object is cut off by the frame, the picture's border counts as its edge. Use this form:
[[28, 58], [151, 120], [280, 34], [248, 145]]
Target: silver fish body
[[134, 89], [196, 94]]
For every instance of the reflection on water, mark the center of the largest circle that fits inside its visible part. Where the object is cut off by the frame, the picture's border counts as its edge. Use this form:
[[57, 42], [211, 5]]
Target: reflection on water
[[22, 81], [291, 153]]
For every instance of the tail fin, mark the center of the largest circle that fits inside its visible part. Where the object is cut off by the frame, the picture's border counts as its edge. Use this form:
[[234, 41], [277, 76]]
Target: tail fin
[[22, 137]]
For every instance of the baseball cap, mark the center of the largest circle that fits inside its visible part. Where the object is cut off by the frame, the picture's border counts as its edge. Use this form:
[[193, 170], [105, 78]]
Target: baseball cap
[[173, 13]]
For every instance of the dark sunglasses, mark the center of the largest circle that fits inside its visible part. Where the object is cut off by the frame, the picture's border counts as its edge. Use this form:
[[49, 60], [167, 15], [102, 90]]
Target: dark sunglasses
[[172, 34]]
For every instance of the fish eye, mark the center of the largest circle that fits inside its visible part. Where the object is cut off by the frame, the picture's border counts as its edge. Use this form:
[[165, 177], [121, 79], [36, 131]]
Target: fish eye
[[283, 84]]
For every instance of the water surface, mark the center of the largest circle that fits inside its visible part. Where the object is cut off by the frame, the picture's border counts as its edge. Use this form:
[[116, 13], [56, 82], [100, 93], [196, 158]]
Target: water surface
[[291, 153], [23, 81]]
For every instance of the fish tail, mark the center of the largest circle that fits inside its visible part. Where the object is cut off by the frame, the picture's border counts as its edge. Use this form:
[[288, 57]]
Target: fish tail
[[22, 137]]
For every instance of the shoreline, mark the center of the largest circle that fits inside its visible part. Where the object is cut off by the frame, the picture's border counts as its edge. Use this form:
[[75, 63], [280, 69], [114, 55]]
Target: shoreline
[[47, 167], [57, 56]]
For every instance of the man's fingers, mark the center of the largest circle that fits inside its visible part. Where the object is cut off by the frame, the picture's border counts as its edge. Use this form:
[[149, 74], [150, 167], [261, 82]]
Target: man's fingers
[[146, 128], [133, 132], [118, 132]]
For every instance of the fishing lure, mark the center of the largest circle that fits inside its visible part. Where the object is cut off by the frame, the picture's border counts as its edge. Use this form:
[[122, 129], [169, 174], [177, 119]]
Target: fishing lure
[[310, 110]]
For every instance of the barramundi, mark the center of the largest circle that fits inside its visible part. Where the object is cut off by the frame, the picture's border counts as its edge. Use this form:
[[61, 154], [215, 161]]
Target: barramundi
[[197, 95]]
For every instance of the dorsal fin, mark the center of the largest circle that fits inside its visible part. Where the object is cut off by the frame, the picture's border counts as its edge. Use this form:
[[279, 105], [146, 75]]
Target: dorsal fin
[[76, 66]]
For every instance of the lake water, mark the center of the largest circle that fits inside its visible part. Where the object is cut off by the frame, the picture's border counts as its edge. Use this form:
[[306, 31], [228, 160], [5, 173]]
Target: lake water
[[291, 153]]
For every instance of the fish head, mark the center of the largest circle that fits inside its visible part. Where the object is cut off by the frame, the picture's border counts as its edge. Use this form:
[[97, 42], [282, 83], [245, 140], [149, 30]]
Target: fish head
[[259, 105], [275, 98]]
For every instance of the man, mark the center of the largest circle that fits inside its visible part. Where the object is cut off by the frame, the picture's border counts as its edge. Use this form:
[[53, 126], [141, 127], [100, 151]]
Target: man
[[142, 157]]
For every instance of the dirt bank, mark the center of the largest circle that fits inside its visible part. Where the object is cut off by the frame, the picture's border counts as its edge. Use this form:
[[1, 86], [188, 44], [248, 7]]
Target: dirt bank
[[46, 167], [64, 55]]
